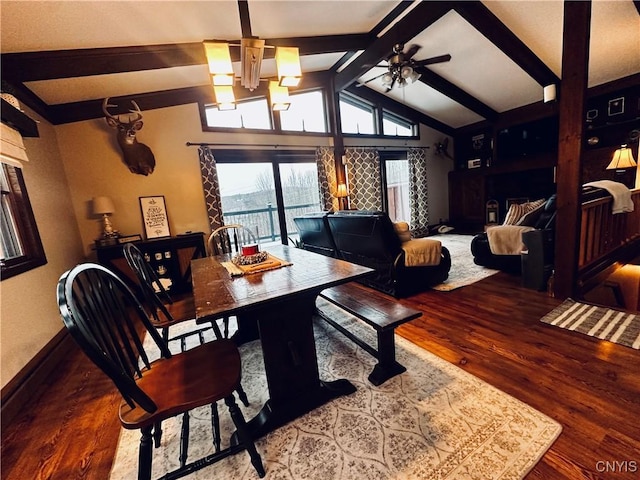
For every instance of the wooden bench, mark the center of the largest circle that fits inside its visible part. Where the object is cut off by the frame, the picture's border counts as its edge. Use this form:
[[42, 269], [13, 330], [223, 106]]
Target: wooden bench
[[380, 312]]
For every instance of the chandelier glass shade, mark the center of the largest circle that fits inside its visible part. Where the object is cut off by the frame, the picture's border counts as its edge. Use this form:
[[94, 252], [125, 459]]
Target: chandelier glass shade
[[400, 76], [279, 96], [222, 76]]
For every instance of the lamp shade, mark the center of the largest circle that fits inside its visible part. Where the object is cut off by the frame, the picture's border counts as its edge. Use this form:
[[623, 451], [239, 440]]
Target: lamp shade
[[288, 66], [218, 58], [622, 158], [103, 206], [279, 96], [225, 99], [342, 191]]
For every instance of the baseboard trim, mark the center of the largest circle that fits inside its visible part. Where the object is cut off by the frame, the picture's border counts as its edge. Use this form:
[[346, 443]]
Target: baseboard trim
[[20, 390]]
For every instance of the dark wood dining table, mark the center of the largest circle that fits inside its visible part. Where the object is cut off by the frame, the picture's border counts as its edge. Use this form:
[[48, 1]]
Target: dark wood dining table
[[277, 306]]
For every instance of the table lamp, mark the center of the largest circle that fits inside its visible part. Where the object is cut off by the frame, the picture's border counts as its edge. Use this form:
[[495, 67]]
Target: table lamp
[[622, 159], [104, 206], [342, 193]]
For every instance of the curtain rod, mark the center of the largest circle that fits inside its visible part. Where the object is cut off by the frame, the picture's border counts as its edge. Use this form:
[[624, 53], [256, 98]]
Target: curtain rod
[[392, 147], [207, 144]]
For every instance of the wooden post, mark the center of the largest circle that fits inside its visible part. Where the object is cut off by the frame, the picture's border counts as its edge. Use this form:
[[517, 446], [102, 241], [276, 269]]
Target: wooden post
[[575, 71], [338, 140]]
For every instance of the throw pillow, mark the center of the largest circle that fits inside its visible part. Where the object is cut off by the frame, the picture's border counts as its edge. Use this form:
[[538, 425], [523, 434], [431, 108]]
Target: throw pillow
[[530, 219], [517, 211]]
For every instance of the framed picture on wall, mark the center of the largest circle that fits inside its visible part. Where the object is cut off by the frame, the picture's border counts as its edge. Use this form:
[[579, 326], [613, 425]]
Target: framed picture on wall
[[154, 217]]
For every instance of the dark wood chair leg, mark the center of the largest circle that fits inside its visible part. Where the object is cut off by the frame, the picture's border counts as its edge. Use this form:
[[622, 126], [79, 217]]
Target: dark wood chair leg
[[243, 396], [184, 440], [157, 434], [243, 435], [215, 426], [145, 454]]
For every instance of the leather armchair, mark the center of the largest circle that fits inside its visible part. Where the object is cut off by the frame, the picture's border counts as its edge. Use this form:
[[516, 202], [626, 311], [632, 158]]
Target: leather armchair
[[540, 238]]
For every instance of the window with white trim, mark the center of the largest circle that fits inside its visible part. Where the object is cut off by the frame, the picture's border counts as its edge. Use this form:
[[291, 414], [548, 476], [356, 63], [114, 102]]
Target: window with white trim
[[395, 126], [305, 114], [356, 116], [20, 247], [253, 113]]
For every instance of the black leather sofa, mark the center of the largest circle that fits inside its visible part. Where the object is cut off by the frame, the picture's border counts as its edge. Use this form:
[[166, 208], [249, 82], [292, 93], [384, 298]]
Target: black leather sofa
[[369, 239]]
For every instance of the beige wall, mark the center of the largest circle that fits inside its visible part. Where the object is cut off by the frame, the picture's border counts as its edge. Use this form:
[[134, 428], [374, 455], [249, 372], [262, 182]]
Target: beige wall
[[29, 316], [72, 163]]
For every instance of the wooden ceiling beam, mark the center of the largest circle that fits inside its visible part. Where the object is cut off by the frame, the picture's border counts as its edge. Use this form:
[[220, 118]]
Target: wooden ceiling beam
[[90, 109], [478, 15], [435, 81], [54, 64]]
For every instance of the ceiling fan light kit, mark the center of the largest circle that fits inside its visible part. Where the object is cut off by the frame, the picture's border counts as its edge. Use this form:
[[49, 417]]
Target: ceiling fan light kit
[[401, 67]]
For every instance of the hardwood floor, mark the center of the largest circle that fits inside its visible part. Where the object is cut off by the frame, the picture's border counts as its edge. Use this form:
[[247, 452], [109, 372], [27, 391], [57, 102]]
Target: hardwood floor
[[490, 329]]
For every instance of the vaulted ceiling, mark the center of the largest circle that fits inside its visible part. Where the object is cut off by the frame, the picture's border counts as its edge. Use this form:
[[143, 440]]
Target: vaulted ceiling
[[61, 58]]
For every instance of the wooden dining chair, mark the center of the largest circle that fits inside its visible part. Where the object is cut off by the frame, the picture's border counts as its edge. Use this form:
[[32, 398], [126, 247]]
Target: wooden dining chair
[[109, 324], [230, 239], [165, 313]]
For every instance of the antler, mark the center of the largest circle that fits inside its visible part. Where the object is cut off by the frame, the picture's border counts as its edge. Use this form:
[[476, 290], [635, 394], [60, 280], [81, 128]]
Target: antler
[[136, 111], [105, 105]]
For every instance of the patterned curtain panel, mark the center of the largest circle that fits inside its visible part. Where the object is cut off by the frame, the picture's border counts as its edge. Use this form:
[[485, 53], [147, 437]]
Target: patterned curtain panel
[[418, 193], [327, 178], [365, 184], [211, 187]]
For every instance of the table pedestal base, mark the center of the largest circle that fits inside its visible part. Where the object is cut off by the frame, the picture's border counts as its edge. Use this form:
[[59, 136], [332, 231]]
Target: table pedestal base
[[275, 414]]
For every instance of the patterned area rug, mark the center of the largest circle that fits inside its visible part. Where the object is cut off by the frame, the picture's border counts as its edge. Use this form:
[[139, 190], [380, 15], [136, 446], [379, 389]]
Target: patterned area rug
[[434, 421], [600, 322], [463, 270]]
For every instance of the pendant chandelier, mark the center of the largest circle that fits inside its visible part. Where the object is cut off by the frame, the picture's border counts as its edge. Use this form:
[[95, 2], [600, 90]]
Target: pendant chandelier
[[251, 54]]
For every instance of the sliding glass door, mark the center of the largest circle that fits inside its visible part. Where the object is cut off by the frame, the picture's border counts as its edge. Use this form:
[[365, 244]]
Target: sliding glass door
[[264, 191]]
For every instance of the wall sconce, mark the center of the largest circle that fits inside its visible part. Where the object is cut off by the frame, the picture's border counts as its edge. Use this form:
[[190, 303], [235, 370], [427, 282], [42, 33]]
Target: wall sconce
[[342, 193], [279, 96], [288, 66], [549, 93], [104, 206]]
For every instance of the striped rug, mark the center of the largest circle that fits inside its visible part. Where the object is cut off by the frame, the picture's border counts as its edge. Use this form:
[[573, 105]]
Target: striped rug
[[604, 323]]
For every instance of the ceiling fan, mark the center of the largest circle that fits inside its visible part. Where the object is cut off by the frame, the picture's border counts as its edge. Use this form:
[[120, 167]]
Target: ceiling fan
[[402, 67], [441, 147]]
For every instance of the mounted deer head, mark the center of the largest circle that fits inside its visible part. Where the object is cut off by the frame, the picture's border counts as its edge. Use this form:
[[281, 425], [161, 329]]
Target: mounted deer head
[[137, 156]]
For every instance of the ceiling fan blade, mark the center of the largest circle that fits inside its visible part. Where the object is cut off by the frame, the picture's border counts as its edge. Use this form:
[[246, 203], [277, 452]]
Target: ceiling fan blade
[[413, 49], [370, 80], [371, 65], [432, 60]]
